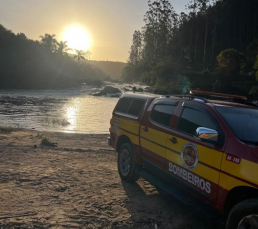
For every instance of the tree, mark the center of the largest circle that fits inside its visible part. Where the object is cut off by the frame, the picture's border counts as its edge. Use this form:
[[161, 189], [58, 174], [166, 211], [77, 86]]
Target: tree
[[136, 48], [131, 72], [165, 72], [199, 8], [62, 47], [28, 64], [256, 68], [251, 53], [193, 40], [22, 36], [231, 61], [49, 42], [80, 54], [158, 29]]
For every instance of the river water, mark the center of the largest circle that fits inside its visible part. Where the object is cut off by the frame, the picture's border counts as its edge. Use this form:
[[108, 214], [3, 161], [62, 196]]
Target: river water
[[74, 111]]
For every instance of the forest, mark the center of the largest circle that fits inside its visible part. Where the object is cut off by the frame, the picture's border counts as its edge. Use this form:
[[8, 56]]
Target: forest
[[43, 64], [212, 46]]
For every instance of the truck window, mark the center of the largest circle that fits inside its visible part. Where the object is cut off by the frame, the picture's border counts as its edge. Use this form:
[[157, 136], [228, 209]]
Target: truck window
[[191, 119], [162, 114], [242, 121], [123, 105], [136, 107], [130, 106]]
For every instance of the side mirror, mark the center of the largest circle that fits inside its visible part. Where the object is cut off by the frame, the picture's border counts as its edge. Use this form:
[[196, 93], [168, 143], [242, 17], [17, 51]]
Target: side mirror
[[206, 134]]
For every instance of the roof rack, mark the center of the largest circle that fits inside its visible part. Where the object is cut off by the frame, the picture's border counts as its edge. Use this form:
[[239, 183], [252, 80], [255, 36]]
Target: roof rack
[[203, 96], [189, 96], [219, 95]]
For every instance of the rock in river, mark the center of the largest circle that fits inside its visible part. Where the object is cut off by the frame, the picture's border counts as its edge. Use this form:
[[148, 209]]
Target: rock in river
[[108, 90]]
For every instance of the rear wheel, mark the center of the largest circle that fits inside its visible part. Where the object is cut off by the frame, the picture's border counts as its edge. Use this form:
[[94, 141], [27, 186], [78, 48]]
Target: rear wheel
[[244, 215], [126, 164]]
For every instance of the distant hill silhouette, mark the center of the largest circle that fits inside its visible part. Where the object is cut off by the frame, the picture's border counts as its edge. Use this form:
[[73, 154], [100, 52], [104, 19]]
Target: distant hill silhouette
[[110, 68]]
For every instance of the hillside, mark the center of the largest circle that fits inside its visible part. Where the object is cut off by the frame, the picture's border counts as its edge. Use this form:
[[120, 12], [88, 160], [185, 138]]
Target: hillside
[[44, 64], [110, 68], [211, 47]]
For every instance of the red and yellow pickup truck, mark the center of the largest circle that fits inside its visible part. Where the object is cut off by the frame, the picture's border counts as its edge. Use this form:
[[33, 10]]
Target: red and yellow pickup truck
[[192, 144]]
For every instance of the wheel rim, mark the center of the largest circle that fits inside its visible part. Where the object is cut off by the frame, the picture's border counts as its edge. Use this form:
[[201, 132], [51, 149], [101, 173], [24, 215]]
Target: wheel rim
[[249, 222], [125, 162]]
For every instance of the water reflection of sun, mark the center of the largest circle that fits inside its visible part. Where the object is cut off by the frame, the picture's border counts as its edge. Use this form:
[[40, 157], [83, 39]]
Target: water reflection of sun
[[71, 117]]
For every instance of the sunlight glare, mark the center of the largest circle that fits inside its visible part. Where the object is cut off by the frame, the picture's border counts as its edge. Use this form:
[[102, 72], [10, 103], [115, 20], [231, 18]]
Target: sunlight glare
[[71, 117], [77, 38]]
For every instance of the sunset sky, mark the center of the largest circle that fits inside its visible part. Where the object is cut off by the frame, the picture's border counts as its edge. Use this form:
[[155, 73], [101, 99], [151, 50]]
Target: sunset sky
[[108, 24]]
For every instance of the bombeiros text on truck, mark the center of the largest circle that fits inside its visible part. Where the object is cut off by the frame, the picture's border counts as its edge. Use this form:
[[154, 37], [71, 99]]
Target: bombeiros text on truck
[[202, 148]]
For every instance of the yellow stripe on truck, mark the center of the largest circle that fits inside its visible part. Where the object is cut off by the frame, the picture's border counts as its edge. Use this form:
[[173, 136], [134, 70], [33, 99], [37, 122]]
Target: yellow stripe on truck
[[152, 134], [153, 147], [242, 174], [228, 182], [154, 141], [126, 127], [134, 139]]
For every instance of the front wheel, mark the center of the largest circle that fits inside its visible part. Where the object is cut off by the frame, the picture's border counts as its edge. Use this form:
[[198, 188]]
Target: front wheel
[[244, 215], [126, 164]]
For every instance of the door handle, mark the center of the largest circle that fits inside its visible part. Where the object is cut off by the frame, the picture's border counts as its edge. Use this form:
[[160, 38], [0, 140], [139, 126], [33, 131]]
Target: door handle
[[145, 129], [173, 140]]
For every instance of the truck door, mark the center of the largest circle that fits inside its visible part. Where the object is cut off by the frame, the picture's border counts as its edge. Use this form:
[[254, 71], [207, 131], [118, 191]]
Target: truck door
[[192, 162], [154, 133]]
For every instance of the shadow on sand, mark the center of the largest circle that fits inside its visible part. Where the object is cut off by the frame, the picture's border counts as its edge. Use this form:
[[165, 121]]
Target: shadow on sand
[[149, 209]]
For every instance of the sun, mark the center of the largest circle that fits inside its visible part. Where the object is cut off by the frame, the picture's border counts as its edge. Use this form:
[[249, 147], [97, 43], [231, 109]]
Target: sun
[[77, 38]]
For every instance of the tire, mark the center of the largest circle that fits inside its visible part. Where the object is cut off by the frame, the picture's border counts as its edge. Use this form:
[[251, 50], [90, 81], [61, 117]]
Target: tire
[[243, 215], [126, 164]]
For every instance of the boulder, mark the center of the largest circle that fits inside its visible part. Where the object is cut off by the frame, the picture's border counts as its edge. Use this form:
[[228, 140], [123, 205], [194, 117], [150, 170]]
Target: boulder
[[108, 90], [148, 89], [139, 89]]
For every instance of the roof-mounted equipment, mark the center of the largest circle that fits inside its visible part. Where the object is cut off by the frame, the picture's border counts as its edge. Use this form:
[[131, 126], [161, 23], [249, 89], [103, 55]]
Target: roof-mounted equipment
[[221, 96]]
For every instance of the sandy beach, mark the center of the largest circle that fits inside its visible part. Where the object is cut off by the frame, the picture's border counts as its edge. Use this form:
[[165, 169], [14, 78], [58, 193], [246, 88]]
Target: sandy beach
[[76, 185]]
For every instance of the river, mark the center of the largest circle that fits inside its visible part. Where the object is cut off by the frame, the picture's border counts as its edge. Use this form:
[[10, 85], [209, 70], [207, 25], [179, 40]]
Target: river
[[73, 111]]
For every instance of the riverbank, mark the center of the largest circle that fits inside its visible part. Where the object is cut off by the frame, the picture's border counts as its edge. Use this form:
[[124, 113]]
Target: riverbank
[[76, 185]]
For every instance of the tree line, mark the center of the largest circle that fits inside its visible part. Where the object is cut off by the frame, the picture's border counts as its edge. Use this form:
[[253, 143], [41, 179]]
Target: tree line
[[212, 46], [44, 64]]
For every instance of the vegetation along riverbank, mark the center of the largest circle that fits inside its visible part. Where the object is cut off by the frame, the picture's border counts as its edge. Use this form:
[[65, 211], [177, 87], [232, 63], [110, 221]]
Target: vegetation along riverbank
[[212, 46]]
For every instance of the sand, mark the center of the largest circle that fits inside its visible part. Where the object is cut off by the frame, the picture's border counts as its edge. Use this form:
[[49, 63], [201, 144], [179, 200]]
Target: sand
[[76, 185]]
